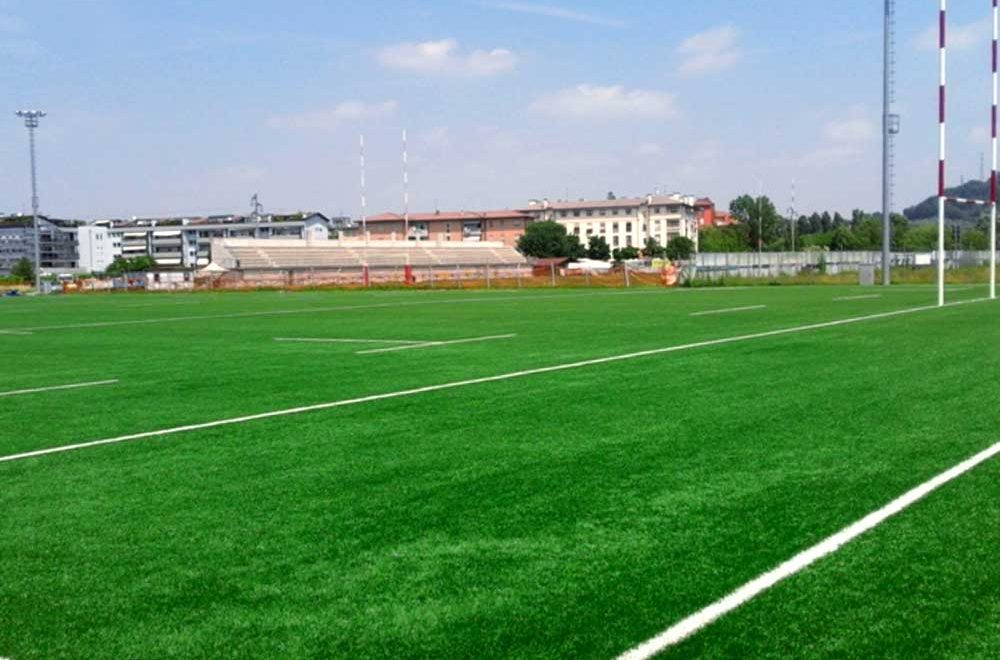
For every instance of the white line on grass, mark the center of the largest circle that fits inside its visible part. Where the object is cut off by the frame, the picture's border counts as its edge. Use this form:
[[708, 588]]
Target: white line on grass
[[71, 386], [343, 340], [727, 311], [868, 297], [340, 308], [428, 344], [15, 332], [473, 381], [695, 622], [403, 303]]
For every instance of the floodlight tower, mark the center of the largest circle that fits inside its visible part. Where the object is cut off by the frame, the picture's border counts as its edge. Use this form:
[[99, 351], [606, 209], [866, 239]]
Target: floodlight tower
[[31, 118], [890, 128]]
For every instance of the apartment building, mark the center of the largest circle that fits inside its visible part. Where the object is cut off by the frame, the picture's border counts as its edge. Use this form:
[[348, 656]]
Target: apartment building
[[624, 222], [496, 226], [186, 242], [58, 247]]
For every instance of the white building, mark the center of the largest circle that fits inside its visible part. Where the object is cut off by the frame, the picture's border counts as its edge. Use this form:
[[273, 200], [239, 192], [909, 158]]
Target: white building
[[97, 247], [624, 222]]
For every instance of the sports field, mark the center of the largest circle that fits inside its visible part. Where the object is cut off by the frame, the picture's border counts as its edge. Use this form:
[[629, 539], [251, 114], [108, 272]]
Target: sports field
[[498, 474]]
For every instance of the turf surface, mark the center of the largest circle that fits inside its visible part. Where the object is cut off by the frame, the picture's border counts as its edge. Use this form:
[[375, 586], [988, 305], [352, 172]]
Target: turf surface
[[573, 513]]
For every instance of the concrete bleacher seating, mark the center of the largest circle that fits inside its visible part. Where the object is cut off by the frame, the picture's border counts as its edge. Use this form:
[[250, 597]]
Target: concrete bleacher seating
[[261, 254]]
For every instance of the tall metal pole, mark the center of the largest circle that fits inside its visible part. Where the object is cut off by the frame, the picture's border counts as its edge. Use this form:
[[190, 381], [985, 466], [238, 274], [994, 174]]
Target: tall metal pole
[[886, 142], [364, 201], [31, 118], [406, 192], [942, 66], [993, 172]]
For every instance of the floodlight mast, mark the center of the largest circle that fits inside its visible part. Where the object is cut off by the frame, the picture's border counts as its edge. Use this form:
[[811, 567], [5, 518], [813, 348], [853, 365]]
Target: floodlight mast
[[31, 118]]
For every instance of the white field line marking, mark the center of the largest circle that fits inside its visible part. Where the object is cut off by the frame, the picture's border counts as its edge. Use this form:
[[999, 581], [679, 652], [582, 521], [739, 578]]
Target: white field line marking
[[695, 622], [727, 311], [428, 344], [15, 332], [868, 297], [473, 381], [71, 386], [340, 340], [339, 308]]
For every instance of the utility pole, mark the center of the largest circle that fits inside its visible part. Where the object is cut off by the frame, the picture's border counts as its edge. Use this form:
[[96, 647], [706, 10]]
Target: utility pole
[[31, 118]]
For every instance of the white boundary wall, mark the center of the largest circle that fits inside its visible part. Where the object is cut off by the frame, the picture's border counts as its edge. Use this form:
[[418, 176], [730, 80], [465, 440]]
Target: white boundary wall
[[715, 265]]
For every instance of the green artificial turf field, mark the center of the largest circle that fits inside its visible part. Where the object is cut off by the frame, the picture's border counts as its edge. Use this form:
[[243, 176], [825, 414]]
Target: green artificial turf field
[[519, 511]]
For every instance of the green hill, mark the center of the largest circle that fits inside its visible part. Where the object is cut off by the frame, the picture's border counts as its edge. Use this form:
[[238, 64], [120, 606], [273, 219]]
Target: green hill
[[954, 213]]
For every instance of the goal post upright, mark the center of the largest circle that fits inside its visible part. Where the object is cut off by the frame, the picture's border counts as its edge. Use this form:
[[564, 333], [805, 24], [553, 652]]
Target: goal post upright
[[991, 201], [942, 81], [993, 148]]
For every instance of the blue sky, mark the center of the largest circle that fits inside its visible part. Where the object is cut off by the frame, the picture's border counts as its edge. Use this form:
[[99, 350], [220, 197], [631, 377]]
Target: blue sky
[[190, 107]]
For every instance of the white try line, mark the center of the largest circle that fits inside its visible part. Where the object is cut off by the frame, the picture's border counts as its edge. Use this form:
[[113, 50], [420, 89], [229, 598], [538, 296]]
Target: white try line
[[728, 310], [868, 297], [71, 386], [472, 381], [428, 344], [692, 624], [346, 340]]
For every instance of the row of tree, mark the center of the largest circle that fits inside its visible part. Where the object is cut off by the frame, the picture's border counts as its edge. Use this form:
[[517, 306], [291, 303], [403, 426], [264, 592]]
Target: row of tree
[[760, 225], [550, 239]]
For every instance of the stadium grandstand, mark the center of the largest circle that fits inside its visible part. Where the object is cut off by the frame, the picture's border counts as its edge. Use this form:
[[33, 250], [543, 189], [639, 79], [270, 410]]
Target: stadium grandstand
[[254, 262]]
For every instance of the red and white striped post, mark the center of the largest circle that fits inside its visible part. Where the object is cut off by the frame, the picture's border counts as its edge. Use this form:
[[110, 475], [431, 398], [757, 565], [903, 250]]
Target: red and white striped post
[[942, 65], [993, 172]]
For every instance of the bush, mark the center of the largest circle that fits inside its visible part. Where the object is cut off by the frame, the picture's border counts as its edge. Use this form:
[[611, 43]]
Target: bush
[[23, 270]]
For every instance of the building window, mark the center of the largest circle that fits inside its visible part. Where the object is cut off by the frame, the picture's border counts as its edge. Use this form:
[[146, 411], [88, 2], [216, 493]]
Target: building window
[[602, 227], [628, 226], [614, 227], [614, 240], [576, 214], [628, 240], [590, 213]]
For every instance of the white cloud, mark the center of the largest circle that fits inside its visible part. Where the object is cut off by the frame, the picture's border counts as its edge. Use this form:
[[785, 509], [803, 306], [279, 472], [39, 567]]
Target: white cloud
[[552, 11], [960, 36], [443, 57], [850, 131], [649, 149], [614, 102], [845, 140], [710, 51], [330, 118]]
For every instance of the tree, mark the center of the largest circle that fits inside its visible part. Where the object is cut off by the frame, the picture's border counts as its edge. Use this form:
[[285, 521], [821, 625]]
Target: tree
[[625, 253], [121, 265], [680, 247], [544, 239], [758, 218], [23, 269], [842, 239], [653, 249], [722, 239], [611, 195], [575, 249], [598, 248]]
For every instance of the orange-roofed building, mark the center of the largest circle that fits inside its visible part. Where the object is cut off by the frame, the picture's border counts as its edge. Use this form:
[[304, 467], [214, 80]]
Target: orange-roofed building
[[494, 226]]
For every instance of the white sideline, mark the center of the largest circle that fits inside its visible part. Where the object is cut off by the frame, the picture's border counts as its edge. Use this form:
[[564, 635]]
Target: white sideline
[[868, 297], [340, 308], [15, 332], [727, 311], [695, 622], [71, 386], [473, 381], [342, 340], [428, 344]]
